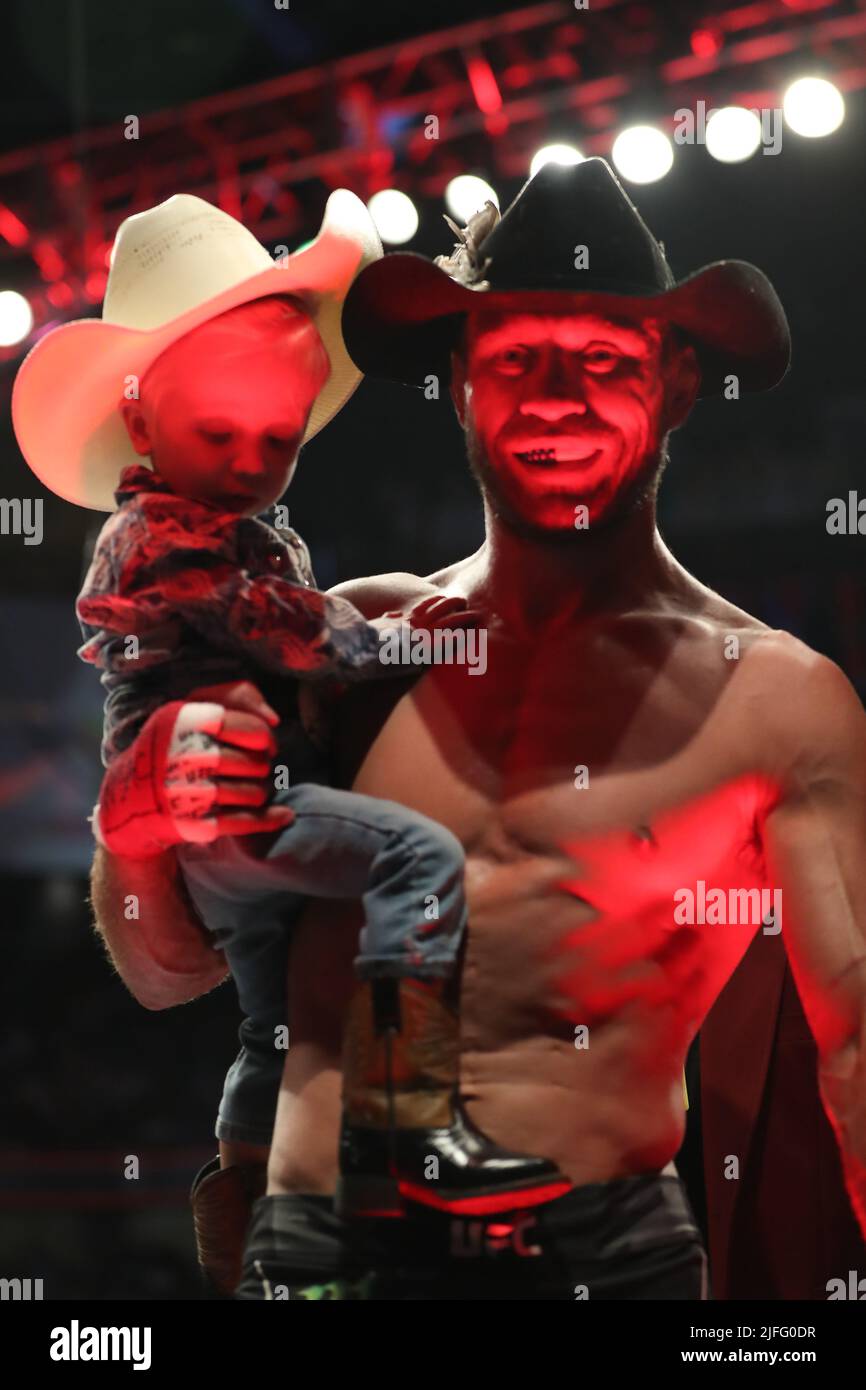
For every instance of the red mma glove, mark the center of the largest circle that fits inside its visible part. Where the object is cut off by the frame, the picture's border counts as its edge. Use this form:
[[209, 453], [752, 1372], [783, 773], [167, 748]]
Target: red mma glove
[[188, 777]]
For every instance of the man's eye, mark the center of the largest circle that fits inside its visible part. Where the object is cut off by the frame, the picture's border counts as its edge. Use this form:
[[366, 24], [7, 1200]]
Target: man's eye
[[281, 441], [601, 360], [513, 360], [217, 437]]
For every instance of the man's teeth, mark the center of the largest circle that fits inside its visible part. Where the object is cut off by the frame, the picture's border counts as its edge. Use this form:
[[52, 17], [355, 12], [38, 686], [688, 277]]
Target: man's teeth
[[537, 455]]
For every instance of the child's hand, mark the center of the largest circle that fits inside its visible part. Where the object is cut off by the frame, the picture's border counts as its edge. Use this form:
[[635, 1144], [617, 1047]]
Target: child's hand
[[442, 610]]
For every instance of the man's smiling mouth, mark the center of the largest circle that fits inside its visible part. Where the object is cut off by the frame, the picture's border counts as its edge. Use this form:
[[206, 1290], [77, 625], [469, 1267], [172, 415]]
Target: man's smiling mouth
[[562, 451]]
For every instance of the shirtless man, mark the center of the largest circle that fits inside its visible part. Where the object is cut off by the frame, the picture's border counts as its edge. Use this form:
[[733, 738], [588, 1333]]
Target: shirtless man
[[637, 745]]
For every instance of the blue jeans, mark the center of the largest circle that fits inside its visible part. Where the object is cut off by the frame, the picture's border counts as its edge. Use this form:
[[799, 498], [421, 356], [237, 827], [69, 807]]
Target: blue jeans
[[249, 891]]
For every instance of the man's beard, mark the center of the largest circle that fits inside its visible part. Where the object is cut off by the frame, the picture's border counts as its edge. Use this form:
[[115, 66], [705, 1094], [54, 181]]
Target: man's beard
[[640, 490]]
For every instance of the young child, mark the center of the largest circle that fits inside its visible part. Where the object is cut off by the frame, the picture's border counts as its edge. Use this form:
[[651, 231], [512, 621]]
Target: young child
[[187, 588]]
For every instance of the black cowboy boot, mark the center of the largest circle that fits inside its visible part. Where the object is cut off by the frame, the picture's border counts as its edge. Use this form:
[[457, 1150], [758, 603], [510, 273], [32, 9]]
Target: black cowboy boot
[[405, 1135]]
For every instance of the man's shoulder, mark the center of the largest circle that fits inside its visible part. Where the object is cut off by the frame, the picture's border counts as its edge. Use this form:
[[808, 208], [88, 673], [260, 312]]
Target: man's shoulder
[[782, 663], [801, 700], [815, 716], [771, 654], [380, 593], [779, 667]]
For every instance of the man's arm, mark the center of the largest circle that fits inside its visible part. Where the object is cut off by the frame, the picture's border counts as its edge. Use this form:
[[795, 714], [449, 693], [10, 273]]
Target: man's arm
[[815, 842], [154, 939]]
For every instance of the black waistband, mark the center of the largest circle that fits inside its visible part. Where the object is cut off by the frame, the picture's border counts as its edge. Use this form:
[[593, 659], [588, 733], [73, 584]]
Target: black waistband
[[594, 1225]]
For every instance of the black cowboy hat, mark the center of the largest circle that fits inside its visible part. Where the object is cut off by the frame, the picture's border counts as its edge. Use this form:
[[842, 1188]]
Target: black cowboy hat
[[404, 313]]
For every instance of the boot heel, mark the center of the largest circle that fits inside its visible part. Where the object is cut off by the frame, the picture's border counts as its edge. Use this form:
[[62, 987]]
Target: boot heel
[[368, 1195]]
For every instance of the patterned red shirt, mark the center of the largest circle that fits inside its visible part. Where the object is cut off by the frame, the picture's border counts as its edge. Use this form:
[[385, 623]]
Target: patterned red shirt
[[208, 597]]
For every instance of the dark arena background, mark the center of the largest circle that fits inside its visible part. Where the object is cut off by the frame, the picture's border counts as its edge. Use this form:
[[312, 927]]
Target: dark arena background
[[263, 109]]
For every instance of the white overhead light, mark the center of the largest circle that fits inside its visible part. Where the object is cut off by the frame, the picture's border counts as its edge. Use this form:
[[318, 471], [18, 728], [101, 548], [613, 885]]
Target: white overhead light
[[813, 107], [466, 194], [395, 216], [16, 318], [554, 154], [642, 154], [733, 134]]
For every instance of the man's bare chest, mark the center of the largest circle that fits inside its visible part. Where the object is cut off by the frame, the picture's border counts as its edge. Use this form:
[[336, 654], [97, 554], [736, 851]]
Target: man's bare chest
[[592, 805], [551, 745]]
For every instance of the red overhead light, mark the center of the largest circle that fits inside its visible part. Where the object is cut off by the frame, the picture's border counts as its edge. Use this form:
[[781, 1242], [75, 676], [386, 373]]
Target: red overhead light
[[485, 88], [518, 75], [705, 43], [12, 229], [48, 258], [496, 123], [60, 295], [94, 285]]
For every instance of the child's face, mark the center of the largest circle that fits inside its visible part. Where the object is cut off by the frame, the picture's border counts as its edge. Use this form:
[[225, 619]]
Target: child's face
[[223, 411]]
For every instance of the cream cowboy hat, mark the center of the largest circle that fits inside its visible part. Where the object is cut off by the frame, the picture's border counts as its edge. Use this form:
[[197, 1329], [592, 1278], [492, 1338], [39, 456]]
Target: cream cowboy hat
[[173, 267]]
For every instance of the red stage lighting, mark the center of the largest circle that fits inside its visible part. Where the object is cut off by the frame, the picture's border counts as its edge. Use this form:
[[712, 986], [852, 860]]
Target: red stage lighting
[[518, 75], [485, 88], [12, 229], [94, 286], [48, 258], [60, 295], [705, 43]]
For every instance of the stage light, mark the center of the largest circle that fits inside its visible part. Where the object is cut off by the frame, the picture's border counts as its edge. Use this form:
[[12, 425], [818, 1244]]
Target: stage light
[[467, 193], [733, 134], [813, 107], [554, 154], [705, 43], [60, 295], [94, 286], [12, 229], [642, 154], [485, 88], [16, 318], [395, 216]]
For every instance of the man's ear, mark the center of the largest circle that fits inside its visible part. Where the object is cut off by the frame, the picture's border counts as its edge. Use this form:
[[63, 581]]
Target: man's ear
[[457, 385], [682, 387], [136, 427]]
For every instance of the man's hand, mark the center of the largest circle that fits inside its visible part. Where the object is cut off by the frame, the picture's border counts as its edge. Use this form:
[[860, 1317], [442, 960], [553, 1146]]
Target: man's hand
[[198, 769]]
